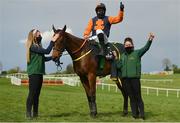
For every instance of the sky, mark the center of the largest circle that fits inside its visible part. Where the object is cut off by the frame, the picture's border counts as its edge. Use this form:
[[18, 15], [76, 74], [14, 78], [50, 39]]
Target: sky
[[162, 17]]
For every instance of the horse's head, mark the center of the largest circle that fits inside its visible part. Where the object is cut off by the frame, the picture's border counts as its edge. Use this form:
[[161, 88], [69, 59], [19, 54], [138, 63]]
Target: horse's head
[[59, 46]]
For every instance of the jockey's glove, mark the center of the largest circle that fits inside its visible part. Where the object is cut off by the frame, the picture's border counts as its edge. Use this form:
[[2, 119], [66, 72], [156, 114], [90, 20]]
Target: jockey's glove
[[121, 6]]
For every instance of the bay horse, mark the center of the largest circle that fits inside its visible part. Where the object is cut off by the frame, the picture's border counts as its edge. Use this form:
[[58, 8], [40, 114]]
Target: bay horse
[[85, 65]]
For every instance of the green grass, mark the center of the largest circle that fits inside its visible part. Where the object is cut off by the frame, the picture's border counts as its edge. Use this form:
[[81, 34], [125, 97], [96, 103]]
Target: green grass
[[69, 104]]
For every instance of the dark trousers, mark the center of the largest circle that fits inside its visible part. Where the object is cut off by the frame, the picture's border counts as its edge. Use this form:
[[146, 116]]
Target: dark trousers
[[133, 89], [35, 84]]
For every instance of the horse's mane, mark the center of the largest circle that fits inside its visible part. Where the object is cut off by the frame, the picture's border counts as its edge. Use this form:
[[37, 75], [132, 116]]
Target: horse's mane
[[73, 36], [70, 35]]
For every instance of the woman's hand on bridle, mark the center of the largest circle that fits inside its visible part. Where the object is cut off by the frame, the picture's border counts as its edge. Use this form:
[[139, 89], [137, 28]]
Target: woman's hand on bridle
[[55, 37]]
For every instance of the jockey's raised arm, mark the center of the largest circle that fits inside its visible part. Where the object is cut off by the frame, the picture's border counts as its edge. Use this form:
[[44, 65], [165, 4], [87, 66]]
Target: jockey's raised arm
[[100, 25]]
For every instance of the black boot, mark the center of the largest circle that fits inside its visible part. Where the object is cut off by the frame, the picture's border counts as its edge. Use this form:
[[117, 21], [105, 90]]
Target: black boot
[[28, 110], [35, 114], [35, 110], [101, 41], [28, 115]]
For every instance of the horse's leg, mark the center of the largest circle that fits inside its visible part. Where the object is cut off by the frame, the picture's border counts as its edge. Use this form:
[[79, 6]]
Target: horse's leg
[[125, 96], [85, 83], [92, 96]]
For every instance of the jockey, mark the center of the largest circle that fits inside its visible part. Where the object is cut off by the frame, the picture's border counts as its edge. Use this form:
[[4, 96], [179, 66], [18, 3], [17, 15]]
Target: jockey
[[100, 25]]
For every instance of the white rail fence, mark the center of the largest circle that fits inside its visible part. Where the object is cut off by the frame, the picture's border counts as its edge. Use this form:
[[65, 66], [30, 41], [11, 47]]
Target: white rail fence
[[157, 80], [25, 76], [73, 80], [157, 90], [15, 81], [69, 79]]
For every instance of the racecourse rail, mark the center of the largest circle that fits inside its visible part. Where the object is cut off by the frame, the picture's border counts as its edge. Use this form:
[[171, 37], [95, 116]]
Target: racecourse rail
[[73, 80]]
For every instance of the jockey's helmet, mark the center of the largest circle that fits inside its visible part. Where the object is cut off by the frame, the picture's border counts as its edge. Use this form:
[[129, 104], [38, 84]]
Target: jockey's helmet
[[100, 6]]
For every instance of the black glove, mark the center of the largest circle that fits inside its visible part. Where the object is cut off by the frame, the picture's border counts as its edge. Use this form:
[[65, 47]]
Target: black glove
[[121, 6]]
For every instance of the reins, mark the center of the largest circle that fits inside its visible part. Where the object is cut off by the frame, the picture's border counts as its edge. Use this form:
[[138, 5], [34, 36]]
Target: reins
[[80, 47]]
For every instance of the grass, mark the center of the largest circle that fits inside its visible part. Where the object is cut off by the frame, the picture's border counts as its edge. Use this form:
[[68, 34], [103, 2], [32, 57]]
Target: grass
[[69, 104]]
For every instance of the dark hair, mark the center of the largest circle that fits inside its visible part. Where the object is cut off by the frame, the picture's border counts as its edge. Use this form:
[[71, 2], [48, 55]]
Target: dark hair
[[128, 39]]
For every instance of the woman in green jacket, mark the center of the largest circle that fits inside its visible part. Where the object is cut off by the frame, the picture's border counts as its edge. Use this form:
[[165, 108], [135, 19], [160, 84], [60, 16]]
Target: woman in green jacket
[[35, 69], [130, 67]]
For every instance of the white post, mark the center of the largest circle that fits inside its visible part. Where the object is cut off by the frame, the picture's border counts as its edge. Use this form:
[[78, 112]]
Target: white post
[[167, 92], [147, 91], [157, 92], [109, 87], [177, 93], [102, 86]]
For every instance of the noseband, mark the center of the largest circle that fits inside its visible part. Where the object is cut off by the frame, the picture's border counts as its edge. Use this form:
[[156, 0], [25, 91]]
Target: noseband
[[58, 62]]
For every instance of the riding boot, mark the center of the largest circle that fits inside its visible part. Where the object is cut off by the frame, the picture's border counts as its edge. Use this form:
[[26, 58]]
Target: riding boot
[[101, 63], [102, 43]]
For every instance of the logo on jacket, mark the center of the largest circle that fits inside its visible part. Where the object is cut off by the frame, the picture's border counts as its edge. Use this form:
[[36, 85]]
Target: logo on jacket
[[99, 24]]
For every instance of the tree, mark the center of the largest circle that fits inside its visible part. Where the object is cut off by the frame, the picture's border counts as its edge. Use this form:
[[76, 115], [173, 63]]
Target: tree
[[14, 70], [1, 67], [166, 64], [175, 68], [69, 69]]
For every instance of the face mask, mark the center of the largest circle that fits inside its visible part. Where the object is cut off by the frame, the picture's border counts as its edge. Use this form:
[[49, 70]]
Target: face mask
[[100, 14], [39, 39], [129, 49]]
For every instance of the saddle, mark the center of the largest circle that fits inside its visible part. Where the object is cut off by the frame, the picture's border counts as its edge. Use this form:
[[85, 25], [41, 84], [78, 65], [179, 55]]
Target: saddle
[[98, 50], [113, 52]]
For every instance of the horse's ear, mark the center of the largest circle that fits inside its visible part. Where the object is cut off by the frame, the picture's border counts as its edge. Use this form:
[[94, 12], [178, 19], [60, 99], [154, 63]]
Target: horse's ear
[[64, 28], [53, 28]]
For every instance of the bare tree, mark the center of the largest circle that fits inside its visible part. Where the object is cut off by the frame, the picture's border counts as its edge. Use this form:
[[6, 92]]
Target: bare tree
[[166, 64]]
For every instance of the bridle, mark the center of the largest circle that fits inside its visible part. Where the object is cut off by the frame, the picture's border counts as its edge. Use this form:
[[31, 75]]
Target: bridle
[[57, 62]]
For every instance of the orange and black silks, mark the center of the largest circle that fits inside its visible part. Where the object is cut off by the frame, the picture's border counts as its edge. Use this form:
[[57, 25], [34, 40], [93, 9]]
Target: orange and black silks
[[103, 24]]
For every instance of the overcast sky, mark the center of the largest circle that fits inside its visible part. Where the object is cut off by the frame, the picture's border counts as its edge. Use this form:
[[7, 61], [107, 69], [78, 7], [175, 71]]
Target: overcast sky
[[18, 17]]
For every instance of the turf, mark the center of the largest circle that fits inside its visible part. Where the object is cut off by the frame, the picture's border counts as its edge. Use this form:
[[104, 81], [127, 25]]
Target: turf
[[69, 104]]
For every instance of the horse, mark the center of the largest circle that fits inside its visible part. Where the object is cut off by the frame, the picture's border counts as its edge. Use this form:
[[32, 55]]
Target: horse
[[85, 65]]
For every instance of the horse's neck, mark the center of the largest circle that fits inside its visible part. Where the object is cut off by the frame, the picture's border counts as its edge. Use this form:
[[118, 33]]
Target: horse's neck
[[73, 43]]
